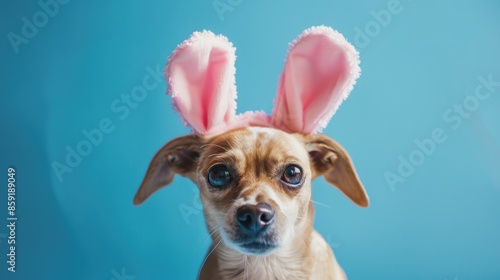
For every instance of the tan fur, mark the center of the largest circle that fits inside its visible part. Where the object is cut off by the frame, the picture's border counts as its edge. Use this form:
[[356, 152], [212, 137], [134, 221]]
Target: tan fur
[[257, 157]]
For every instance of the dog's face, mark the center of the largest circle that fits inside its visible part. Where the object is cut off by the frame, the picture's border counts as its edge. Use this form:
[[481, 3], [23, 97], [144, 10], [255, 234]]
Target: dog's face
[[255, 183]]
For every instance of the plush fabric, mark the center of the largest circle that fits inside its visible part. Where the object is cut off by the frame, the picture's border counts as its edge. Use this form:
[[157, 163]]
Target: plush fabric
[[320, 71]]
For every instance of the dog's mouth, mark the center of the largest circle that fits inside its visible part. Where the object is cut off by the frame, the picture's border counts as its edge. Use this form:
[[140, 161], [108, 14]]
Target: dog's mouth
[[257, 247]]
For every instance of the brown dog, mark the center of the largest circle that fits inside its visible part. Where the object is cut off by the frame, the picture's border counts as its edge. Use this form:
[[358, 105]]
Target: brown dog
[[255, 186]]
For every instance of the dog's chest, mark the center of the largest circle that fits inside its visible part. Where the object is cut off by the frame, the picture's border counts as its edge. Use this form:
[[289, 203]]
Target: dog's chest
[[269, 267], [268, 270]]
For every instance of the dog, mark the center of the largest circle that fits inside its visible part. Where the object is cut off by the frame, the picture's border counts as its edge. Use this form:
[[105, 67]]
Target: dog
[[255, 186], [254, 172]]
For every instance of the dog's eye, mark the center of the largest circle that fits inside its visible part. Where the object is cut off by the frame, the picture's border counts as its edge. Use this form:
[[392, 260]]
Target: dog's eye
[[219, 176], [292, 176]]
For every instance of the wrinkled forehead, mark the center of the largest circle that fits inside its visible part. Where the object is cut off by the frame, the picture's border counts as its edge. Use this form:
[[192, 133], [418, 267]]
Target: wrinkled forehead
[[254, 148]]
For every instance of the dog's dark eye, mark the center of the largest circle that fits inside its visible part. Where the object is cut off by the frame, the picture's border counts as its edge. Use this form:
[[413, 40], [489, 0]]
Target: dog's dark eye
[[292, 176], [219, 176]]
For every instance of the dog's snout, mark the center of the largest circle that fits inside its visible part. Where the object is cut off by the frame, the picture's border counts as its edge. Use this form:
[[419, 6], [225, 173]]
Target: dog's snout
[[253, 219]]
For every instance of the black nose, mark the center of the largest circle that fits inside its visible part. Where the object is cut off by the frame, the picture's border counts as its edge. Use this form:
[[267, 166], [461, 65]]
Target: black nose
[[253, 219]]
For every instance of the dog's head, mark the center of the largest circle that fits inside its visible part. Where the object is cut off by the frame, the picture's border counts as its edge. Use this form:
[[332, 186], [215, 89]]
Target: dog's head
[[255, 183], [254, 171]]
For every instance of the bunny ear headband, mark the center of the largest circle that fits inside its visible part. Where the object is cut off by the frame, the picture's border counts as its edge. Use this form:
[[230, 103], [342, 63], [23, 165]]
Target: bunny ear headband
[[320, 71]]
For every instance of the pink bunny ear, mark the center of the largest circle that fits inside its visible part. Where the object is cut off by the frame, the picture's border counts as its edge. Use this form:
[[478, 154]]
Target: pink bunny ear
[[320, 71], [200, 74]]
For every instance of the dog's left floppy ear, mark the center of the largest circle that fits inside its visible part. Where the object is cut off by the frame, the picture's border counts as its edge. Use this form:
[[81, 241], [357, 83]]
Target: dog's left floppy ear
[[177, 156], [331, 160]]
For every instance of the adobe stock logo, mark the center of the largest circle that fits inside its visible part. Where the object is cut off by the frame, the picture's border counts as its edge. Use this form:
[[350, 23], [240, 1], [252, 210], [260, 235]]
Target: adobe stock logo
[[223, 6], [122, 275], [373, 28], [454, 117], [122, 108], [195, 208], [31, 26]]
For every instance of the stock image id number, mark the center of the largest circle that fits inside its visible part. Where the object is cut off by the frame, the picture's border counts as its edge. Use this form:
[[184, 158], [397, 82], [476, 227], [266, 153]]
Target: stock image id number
[[11, 191]]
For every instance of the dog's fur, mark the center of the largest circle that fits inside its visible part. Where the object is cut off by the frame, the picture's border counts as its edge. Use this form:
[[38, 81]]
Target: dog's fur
[[256, 158]]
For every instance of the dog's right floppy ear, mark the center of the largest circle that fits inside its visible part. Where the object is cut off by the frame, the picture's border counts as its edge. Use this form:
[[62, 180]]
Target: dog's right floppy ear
[[177, 156], [331, 160]]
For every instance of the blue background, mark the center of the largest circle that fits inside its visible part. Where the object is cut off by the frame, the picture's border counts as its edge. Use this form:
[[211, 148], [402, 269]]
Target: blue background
[[442, 222]]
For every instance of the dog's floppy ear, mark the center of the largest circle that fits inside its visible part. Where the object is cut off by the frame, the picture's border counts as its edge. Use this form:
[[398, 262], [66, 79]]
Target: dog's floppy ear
[[177, 156], [331, 160]]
